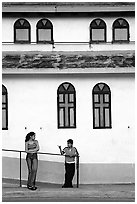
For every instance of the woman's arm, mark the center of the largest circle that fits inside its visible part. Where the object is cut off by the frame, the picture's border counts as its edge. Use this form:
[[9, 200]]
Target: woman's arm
[[35, 150], [37, 147], [32, 150], [26, 148]]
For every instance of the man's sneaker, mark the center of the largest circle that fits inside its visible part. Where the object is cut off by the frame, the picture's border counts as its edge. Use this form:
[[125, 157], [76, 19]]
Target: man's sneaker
[[33, 188], [67, 186]]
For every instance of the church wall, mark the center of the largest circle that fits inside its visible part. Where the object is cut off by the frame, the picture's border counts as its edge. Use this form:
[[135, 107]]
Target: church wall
[[32, 104]]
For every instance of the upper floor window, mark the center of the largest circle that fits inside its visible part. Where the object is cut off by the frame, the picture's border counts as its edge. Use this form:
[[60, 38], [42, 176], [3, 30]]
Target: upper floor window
[[22, 31], [66, 100], [97, 31], [120, 30], [101, 106], [44, 31], [4, 108]]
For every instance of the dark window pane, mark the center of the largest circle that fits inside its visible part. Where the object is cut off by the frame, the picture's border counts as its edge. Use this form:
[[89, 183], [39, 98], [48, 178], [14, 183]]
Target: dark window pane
[[101, 86], [4, 118], [96, 98], [22, 35], [101, 111], [61, 98], [71, 117], [4, 90], [106, 117], [121, 34], [98, 34], [101, 106], [71, 88], [106, 88], [44, 34], [66, 85], [120, 23], [98, 23], [96, 88], [3, 98], [22, 23], [66, 110], [96, 112], [4, 106], [66, 105], [61, 117], [106, 97], [71, 97], [61, 89]]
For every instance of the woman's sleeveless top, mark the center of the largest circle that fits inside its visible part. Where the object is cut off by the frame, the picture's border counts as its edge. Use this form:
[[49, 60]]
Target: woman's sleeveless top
[[32, 146]]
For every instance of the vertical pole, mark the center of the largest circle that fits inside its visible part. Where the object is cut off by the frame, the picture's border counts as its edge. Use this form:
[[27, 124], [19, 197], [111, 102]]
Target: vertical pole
[[77, 171], [20, 169]]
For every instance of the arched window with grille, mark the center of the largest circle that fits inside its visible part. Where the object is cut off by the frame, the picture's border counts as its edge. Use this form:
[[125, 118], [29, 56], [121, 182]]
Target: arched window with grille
[[22, 31], [4, 108], [97, 31], [101, 106], [120, 30], [66, 104], [44, 31]]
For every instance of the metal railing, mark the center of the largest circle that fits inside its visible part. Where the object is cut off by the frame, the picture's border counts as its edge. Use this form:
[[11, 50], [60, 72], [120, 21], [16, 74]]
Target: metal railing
[[45, 153]]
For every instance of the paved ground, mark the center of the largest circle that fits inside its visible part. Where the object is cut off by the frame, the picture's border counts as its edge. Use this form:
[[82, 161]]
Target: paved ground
[[11, 192]]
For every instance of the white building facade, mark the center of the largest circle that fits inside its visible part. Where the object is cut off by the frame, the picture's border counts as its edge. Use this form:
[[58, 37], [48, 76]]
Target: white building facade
[[68, 72]]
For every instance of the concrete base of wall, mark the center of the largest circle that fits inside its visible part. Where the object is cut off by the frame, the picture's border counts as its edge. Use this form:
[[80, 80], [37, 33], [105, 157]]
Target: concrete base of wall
[[53, 172]]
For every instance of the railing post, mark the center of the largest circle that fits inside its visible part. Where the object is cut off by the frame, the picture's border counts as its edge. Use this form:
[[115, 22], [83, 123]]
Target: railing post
[[77, 171], [20, 169]]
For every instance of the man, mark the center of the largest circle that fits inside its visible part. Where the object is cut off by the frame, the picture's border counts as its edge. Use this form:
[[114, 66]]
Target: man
[[70, 153]]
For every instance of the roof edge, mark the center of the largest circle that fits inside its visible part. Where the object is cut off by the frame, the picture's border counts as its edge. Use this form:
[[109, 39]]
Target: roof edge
[[67, 6]]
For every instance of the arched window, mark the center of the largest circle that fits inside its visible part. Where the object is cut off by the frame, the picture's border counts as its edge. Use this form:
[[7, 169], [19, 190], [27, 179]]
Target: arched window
[[22, 31], [97, 31], [44, 31], [66, 101], [4, 108], [101, 106], [120, 30]]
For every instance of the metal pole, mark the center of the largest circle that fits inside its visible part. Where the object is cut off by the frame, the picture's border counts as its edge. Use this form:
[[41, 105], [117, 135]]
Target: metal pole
[[20, 169], [77, 171]]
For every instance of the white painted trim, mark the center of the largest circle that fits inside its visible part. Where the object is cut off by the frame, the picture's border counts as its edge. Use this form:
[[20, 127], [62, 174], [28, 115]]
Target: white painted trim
[[69, 70]]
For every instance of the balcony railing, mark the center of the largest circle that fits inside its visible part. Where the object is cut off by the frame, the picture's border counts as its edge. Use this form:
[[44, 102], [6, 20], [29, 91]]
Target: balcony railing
[[44, 153]]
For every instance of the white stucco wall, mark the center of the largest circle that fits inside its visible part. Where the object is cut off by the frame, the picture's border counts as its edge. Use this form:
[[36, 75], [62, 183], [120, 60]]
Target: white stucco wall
[[32, 103], [67, 29]]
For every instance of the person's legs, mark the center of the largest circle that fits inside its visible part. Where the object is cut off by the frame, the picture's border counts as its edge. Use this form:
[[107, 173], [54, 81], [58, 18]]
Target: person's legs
[[71, 173], [29, 164], [66, 175], [34, 170]]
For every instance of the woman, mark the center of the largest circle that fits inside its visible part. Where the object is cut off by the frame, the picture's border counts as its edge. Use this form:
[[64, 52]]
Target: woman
[[31, 148]]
